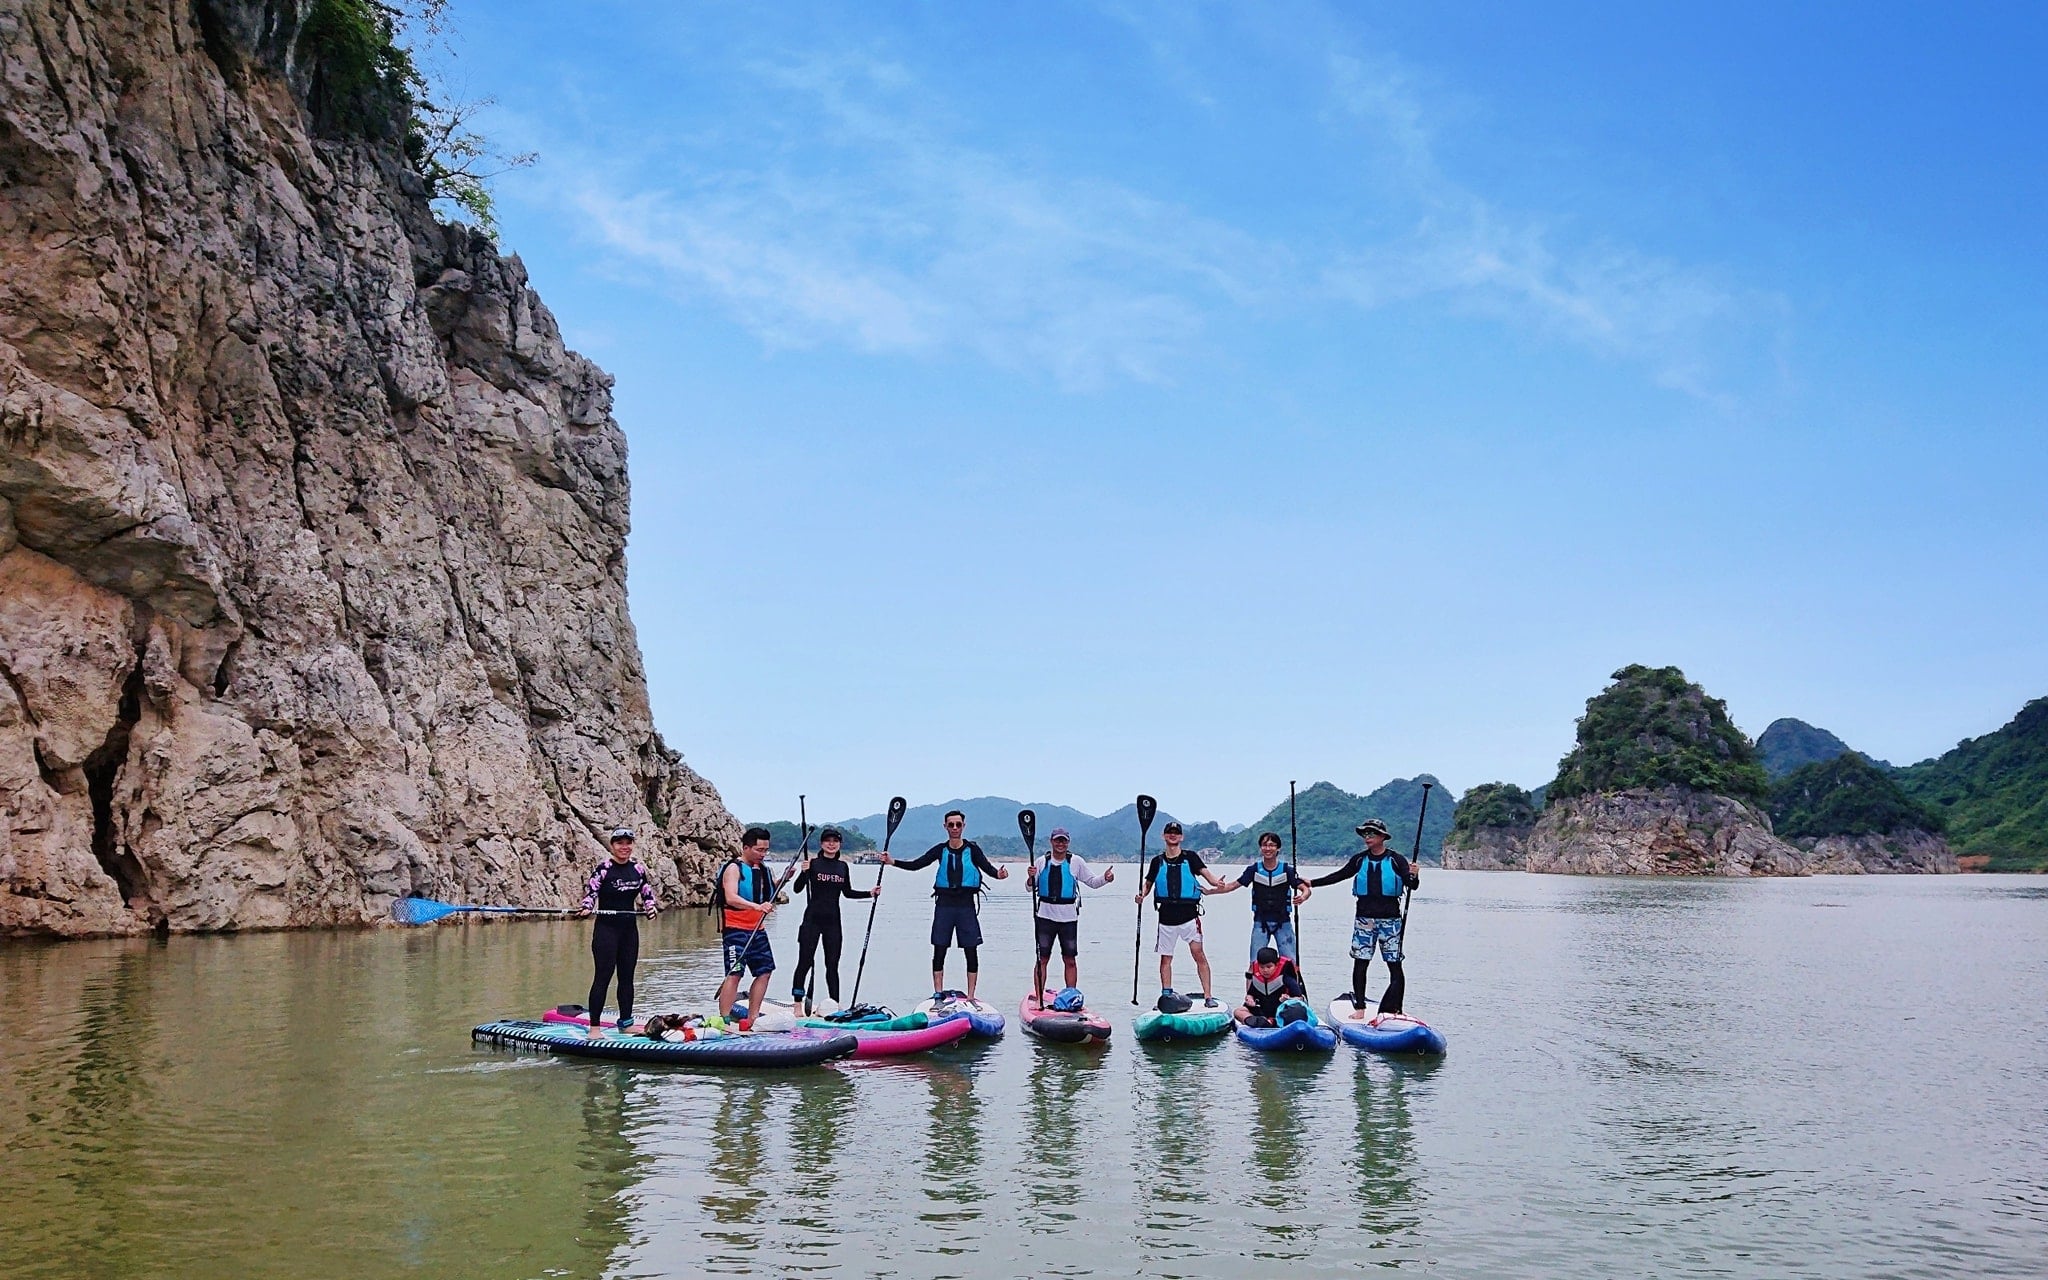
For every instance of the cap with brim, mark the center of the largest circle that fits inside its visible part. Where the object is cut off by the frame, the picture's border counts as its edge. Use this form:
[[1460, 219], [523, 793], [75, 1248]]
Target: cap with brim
[[1373, 827], [1060, 833], [830, 833], [622, 833], [1171, 826]]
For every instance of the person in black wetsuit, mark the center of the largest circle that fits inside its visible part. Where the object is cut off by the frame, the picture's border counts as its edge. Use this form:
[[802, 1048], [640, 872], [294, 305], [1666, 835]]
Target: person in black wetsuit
[[619, 884], [828, 879], [955, 889], [1377, 875]]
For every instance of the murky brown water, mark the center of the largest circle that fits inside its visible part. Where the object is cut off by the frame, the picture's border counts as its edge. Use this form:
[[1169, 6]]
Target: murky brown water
[[1830, 1077]]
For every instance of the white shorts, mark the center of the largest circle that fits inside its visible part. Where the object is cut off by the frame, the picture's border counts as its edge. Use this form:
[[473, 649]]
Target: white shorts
[[1172, 935]]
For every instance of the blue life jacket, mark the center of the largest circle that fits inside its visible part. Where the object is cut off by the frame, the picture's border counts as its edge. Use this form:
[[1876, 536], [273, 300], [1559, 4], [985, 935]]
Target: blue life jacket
[[1390, 879], [1175, 881], [754, 884], [957, 870], [1056, 882]]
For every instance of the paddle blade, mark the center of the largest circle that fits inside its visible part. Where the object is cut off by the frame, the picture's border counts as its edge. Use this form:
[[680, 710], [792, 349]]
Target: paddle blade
[[422, 910], [1027, 826], [1148, 809], [897, 808]]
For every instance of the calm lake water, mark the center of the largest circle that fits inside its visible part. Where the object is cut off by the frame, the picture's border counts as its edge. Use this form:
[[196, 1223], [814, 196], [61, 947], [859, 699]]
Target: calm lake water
[[1824, 1077]]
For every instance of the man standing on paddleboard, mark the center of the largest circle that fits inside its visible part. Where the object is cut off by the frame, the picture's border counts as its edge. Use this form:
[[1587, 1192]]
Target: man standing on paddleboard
[[620, 884], [745, 898], [1177, 881], [1059, 875], [1377, 875], [956, 891], [1276, 891]]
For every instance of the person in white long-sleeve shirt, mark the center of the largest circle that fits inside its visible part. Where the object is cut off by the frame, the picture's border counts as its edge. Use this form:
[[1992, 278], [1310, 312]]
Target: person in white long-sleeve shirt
[[1057, 876]]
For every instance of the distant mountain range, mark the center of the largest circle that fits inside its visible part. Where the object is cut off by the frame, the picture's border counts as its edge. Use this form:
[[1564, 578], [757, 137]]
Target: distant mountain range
[[1327, 814]]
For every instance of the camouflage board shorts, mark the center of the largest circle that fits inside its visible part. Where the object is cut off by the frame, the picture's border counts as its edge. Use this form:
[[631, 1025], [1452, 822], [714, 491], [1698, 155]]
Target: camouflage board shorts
[[1387, 933]]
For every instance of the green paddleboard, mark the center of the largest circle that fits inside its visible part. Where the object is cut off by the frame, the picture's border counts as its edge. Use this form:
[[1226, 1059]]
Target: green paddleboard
[[1197, 1023]]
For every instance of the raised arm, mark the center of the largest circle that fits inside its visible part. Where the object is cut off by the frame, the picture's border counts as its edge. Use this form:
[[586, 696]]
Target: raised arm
[[1345, 872]]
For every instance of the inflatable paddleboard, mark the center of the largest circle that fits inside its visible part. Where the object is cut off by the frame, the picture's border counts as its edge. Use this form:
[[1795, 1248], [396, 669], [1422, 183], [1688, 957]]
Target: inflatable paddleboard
[[1384, 1032], [733, 1049], [1059, 1026], [1309, 1036], [1200, 1022], [880, 1020], [985, 1017]]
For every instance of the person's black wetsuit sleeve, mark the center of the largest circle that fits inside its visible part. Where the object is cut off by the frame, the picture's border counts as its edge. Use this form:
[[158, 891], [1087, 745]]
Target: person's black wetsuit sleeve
[[1410, 873], [987, 868], [1342, 873], [849, 891], [925, 859], [803, 879]]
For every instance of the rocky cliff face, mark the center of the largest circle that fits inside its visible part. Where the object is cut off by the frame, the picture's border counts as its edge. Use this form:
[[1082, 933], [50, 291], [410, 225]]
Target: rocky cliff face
[[312, 576], [1487, 849], [1658, 831], [1898, 852]]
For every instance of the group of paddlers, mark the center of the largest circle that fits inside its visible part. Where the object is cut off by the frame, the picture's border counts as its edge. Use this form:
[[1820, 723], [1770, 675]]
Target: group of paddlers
[[1177, 880]]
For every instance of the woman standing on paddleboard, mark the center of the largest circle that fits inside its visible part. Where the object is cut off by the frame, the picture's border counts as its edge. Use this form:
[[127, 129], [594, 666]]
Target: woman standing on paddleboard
[[620, 883], [828, 879]]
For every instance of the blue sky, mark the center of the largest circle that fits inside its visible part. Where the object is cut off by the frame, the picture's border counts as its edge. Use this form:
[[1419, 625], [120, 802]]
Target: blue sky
[[1067, 400]]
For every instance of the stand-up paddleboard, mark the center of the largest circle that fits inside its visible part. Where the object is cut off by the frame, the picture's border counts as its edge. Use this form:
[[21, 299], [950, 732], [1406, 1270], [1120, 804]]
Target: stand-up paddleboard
[[1060, 1026], [1310, 1035], [1201, 1021], [729, 1049], [1384, 1032], [987, 1019]]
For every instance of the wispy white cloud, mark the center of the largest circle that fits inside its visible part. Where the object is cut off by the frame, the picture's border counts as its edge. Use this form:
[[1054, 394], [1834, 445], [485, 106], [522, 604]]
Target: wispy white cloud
[[856, 214]]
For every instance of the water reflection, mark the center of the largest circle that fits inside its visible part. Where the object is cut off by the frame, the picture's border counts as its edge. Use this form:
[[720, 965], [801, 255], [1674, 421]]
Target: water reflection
[[1174, 1200], [1055, 1145], [1382, 1156], [735, 1159], [1277, 1098], [952, 1152]]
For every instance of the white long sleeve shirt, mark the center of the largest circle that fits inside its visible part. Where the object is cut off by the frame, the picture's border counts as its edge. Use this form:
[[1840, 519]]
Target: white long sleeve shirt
[[1083, 873]]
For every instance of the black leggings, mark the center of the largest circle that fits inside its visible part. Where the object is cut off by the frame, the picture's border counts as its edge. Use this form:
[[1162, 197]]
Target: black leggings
[[812, 931], [614, 945], [973, 955], [1397, 984]]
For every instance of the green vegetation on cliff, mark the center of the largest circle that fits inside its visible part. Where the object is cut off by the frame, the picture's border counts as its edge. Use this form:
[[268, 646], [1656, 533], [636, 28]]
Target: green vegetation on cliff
[[1845, 796], [1494, 804], [1654, 728], [1993, 792], [1328, 813]]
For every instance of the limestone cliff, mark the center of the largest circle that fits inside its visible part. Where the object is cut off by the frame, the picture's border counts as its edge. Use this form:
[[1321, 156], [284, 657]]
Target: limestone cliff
[[1673, 831], [312, 534], [1894, 852]]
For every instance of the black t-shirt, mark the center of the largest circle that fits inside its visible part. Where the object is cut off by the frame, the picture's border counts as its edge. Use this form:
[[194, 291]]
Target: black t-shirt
[[828, 879], [1174, 911]]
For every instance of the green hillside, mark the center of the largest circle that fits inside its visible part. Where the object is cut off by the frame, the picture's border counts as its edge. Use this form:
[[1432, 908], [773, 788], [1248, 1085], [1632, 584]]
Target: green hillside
[[1653, 728], [1992, 792], [1845, 796], [783, 837], [1790, 744], [1328, 813], [1495, 804]]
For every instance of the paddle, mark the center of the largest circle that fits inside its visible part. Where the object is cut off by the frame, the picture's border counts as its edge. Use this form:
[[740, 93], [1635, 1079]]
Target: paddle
[[897, 808], [1027, 826], [427, 910], [1416, 852], [803, 847], [1293, 874], [1147, 807]]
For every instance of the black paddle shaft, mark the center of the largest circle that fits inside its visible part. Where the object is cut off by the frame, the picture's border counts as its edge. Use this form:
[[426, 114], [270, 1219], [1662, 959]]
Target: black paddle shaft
[[1148, 808], [1416, 853], [897, 808], [1027, 826]]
